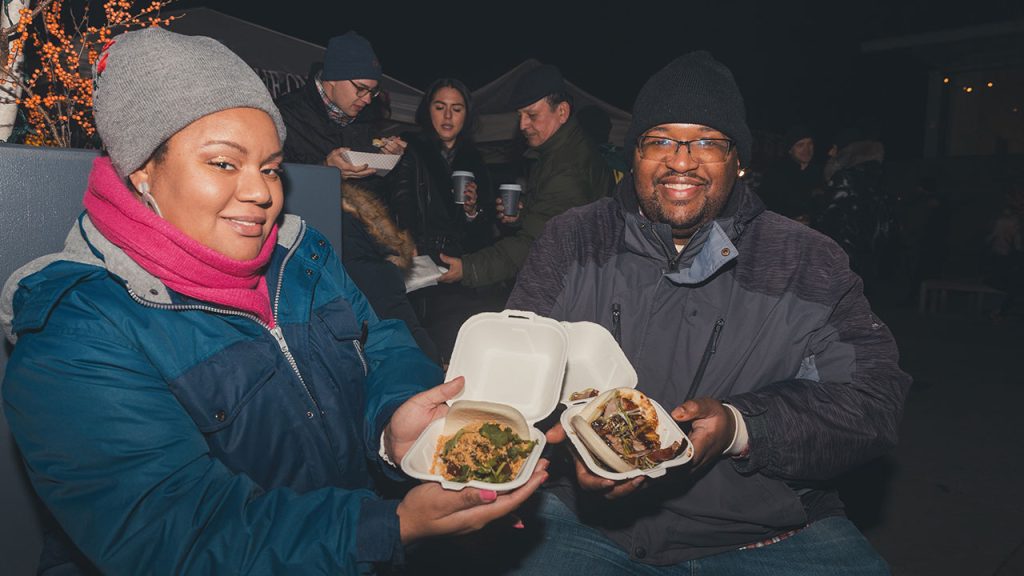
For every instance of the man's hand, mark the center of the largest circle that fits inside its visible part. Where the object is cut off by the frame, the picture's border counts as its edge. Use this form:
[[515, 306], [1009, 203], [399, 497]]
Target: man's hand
[[348, 171], [713, 428], [499, 206], [429, 510], [592, 482], [469, 205], [393, 145], [415, 414], [454, 273]]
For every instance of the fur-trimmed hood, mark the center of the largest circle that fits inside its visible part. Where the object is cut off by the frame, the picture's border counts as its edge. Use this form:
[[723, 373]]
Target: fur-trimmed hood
[[375, 216], [854, 154]]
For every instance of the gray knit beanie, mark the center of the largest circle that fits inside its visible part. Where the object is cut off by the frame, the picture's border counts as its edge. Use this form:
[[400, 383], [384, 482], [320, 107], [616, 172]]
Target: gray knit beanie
[[693, 89], [151, 83]]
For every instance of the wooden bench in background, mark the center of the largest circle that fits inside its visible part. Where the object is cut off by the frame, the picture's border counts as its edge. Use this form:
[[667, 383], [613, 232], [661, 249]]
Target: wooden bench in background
[[934, 295]]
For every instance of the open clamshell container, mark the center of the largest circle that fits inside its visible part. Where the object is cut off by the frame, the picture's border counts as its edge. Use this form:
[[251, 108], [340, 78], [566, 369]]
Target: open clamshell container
[[596, 361], [511, 360]]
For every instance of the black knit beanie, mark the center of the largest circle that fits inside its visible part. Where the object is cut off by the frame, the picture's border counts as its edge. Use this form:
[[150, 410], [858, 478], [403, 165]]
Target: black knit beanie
[[350, 57], [693, 89]]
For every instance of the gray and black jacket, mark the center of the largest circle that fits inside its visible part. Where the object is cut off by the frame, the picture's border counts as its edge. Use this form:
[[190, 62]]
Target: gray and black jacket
[[758, 311]]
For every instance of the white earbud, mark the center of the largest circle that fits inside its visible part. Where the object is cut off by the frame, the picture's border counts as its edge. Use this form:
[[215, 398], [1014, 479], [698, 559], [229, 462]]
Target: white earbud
[[148, 199]]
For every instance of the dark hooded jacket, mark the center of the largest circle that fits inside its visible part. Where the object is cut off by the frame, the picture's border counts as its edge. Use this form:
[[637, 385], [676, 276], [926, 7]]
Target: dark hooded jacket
[[312, 135], [422, 202], [757, 311]]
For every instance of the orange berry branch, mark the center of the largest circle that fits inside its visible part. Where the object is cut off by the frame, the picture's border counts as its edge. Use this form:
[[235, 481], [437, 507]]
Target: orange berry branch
[[60, 48]]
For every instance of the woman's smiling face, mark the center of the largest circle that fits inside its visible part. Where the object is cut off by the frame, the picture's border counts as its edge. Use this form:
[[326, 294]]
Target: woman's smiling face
[[218, 181]]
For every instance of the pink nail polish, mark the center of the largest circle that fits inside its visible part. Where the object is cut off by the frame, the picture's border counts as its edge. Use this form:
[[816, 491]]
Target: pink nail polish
[[519, 525], [488, 495]]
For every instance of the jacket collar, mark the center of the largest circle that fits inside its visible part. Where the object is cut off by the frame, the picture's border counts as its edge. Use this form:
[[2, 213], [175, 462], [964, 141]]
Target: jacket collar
[[85, 245], [711, 247], [566, 132]]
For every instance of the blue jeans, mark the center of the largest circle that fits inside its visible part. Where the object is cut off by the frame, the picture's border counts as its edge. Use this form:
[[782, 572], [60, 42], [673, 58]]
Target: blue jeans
[[831, 547]]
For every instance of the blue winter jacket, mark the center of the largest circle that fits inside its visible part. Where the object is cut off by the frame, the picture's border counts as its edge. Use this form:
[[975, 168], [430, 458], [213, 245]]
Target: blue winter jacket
[[167, 435]]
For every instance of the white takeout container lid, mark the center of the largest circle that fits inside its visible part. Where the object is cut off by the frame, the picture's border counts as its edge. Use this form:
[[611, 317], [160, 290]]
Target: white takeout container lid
[[382, 163], [596, 361], [513, 358]]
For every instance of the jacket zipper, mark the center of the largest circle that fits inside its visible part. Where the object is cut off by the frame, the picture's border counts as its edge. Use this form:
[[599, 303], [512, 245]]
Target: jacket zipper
[[617, 323], [276, 331], [709, 350], [362, 359]]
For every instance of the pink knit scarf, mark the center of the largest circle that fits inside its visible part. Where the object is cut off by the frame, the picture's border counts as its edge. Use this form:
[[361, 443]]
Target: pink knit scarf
[[181, 263]]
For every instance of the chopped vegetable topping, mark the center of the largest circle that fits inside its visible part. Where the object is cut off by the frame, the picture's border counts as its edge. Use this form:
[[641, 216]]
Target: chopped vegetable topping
[[486, 452]]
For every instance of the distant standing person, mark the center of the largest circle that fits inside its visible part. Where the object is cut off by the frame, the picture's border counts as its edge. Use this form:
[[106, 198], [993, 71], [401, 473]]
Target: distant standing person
[[569, 172], [1005, 264], [790, 182], [323, 116], [856, 214], [598, 126]]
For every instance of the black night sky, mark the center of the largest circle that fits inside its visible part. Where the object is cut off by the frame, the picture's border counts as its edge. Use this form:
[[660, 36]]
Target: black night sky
[[798, 61]]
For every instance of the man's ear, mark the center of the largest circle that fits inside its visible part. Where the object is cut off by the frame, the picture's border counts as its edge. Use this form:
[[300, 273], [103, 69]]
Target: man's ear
[[563, 111]]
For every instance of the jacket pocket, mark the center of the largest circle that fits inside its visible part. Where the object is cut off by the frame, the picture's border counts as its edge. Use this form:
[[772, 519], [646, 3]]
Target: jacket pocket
[[217, 391]]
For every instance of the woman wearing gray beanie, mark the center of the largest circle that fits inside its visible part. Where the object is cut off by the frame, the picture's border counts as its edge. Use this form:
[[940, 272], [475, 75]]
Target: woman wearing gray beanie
[[197, 385]]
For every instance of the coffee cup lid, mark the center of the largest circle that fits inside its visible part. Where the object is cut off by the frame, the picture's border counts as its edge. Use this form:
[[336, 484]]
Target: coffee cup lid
[[510, 187], [462, 173]]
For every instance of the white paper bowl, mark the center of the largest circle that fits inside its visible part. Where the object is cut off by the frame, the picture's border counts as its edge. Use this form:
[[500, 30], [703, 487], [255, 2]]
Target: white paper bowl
[[382, 163]]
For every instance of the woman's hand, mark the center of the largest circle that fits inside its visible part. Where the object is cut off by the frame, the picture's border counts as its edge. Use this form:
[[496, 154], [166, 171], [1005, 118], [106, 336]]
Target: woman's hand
[[712, 428], [429, 510], [592, 482], [469, 205], [415, 414]]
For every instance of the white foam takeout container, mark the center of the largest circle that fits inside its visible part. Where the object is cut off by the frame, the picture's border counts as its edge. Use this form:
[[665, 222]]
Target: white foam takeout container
[[532, 363], [596, 361], [382, 163], [513, 358]]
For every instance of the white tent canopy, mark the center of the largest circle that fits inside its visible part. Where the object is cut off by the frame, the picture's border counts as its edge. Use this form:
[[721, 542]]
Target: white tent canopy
[[497, 122], [282, 61]]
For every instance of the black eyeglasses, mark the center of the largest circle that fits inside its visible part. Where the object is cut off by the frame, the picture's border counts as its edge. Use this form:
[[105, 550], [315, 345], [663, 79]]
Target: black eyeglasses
[[704, 151], [363, 91]]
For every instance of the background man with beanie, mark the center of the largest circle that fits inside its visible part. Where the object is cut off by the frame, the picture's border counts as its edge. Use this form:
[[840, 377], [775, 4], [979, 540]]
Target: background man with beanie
[[323, 116], [748, 326], [790, 182], [569, 172], [323, 119]]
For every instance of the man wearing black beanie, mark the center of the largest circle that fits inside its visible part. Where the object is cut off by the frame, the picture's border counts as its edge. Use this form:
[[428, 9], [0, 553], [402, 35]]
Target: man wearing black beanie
[[749, 327]]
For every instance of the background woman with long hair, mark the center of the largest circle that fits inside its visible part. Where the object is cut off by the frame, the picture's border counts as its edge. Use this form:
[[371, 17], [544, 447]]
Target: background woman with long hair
[[422, 201]]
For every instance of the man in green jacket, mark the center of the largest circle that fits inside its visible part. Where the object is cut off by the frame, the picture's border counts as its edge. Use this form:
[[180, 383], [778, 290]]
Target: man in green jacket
[[569, 172]]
